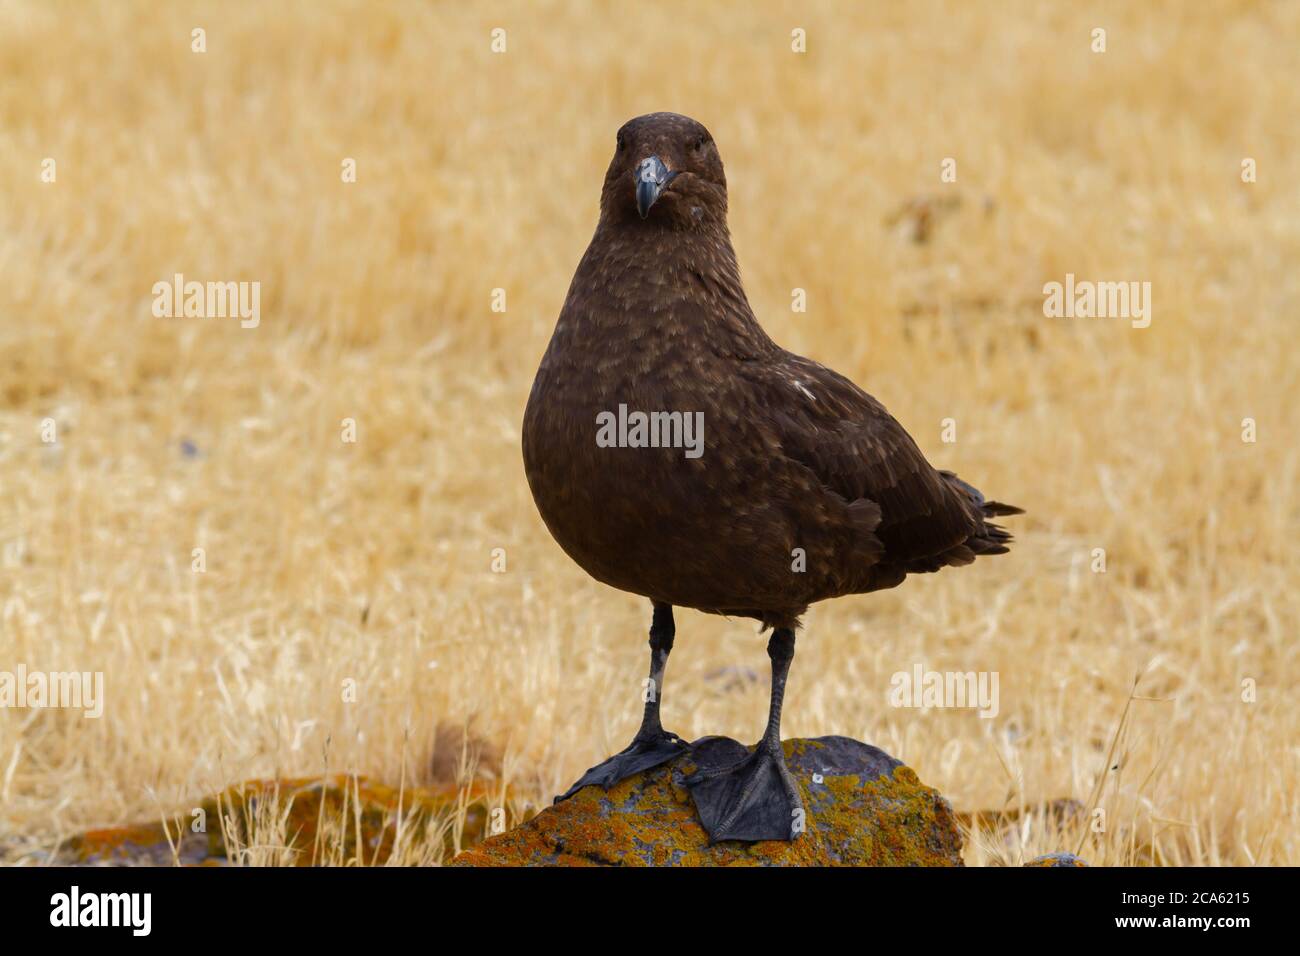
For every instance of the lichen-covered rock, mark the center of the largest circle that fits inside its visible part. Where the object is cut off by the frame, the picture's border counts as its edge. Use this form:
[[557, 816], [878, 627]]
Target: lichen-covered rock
[[351, 807], [1057, 859], [864, 808]]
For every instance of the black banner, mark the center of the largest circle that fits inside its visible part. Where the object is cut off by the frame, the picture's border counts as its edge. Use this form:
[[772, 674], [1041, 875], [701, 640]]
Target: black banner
[[365, 905]]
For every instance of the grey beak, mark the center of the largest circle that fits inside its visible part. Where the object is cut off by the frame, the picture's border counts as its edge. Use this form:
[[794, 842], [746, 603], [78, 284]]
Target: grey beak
[[652, 178]]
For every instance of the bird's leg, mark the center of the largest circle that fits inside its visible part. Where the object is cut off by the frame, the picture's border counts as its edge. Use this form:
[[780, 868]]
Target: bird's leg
[[756, 798], [662, 632], [652, 745]]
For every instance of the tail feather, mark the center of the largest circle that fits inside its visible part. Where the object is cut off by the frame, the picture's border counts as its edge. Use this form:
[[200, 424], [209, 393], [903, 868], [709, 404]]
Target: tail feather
[[989, 538], [990, 509], [985, 538]]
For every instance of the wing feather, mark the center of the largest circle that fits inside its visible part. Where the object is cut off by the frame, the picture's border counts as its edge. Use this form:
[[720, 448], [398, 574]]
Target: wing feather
[[858, 450]]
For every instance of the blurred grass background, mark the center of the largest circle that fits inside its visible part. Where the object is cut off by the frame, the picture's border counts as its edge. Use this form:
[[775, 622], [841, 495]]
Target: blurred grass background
[[372, 561]]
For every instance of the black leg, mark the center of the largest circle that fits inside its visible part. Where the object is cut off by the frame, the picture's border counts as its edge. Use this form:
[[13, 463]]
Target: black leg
[[652, 745], [662, 632], [757, 798]]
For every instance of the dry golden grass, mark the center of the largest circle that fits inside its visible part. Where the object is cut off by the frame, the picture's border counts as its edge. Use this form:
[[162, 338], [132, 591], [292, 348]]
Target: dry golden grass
[[371, 561]]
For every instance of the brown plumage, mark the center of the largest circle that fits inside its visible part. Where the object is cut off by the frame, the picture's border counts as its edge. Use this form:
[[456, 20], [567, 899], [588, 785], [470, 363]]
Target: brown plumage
[[806, 488]]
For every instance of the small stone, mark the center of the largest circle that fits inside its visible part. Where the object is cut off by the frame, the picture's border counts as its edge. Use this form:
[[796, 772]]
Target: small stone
[[1057, 859]]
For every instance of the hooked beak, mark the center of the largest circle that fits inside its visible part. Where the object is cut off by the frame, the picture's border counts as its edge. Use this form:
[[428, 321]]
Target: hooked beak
[[652, 178]]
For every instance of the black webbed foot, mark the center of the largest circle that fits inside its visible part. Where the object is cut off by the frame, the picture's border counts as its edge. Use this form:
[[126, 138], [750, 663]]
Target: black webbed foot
[[645, 751], [753, 799]]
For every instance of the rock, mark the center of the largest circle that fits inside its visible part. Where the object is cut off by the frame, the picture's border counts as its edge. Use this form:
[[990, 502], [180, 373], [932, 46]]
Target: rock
[[864, 808], [1057, 859], [339, 805]]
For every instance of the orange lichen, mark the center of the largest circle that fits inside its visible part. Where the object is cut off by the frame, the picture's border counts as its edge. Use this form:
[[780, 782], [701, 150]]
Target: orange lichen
[[880, 816], [302, 809]]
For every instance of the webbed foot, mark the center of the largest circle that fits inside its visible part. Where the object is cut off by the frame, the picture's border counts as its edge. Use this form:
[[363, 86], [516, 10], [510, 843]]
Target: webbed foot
[[754, 799], [645, 751]]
